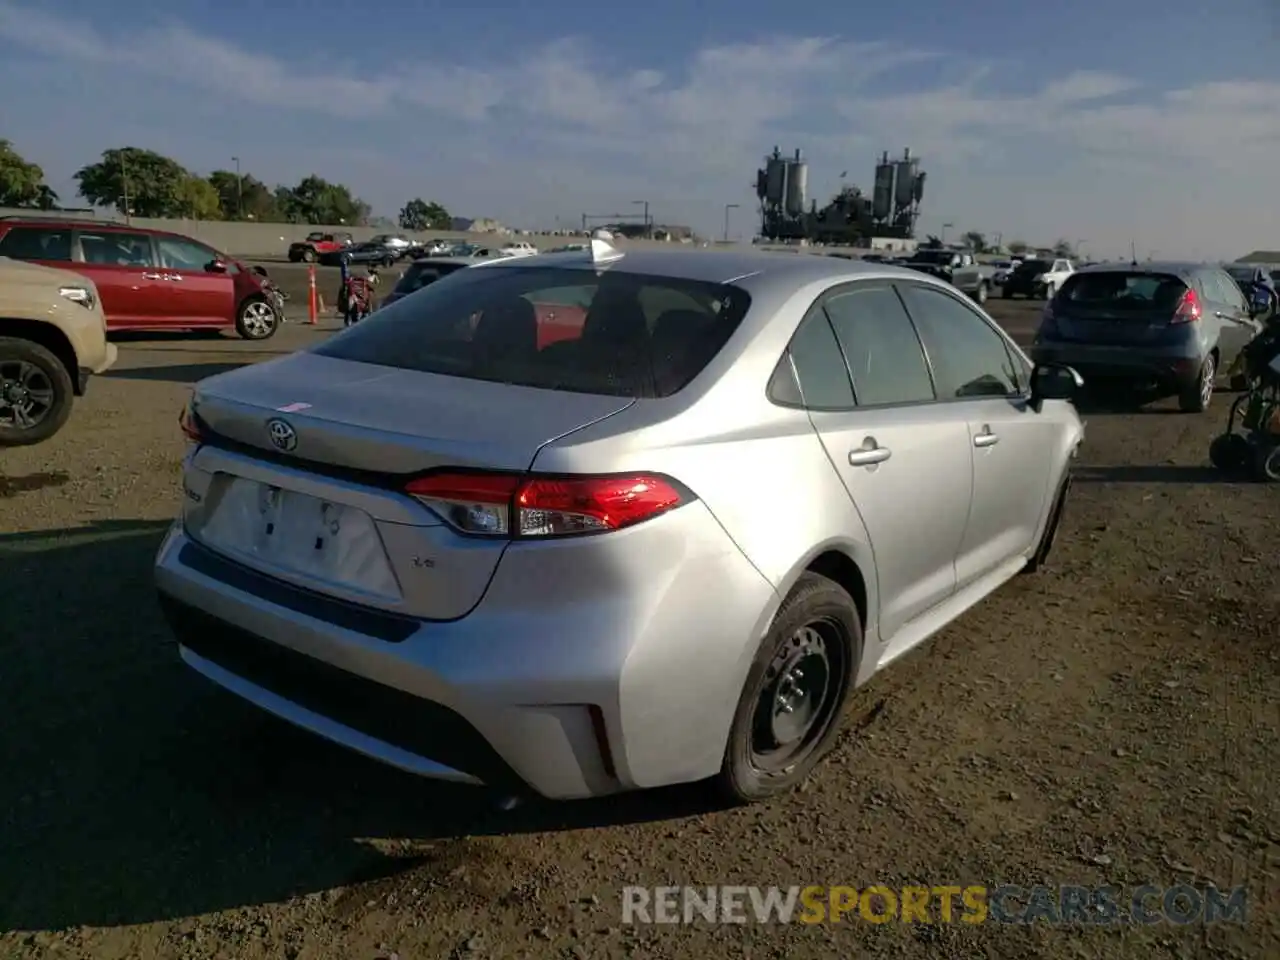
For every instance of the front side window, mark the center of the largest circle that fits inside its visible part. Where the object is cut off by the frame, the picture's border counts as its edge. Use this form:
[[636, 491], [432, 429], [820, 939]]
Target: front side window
[[180, 254], [969, 358], [551, 328]]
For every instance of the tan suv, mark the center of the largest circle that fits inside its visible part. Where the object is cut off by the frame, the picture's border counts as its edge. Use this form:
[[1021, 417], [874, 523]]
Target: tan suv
[[53, 336]]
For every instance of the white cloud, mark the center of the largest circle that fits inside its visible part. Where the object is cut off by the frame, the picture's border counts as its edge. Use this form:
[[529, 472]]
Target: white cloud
[[565, 120]]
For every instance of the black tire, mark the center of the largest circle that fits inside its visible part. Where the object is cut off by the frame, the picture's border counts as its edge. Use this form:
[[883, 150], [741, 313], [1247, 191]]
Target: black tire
[[17, 358], [980, 295], [1006, 294], [253, 323], [816, 613], [1196, 397], [388, 261], [1231, 453], [1050, 535], [308, 256]]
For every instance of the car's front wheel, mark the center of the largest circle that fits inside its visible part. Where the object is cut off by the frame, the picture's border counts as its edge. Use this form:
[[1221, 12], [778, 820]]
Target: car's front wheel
[[257, 319], [980, 295], [308, 255], [790, 708], [36, 393]]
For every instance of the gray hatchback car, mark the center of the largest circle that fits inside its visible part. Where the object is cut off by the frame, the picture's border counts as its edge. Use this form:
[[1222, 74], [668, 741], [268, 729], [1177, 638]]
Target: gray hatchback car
[[658, 541], [1169, 326]]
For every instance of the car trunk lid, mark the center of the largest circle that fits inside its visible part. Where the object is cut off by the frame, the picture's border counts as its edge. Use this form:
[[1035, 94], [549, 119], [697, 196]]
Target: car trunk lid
[[1117, 307], [304, 461]]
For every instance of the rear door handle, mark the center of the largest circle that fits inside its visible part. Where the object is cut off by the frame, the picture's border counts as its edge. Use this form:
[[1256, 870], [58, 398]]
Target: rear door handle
[[869, 454], [152, 276], [986, 438]]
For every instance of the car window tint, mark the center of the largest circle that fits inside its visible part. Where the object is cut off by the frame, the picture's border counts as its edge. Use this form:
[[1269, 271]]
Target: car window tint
[[117, 249], [36, 243], [883, 352], [819, 365], [184, 254], [493, 324], [969, 358]]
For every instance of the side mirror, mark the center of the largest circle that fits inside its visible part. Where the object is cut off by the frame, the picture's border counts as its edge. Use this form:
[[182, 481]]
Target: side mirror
[[1054, 381], [215, 266]]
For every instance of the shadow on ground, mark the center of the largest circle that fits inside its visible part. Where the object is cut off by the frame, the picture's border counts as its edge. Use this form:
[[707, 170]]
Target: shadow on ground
[[135, 791], [1167, 473], [174, 373]]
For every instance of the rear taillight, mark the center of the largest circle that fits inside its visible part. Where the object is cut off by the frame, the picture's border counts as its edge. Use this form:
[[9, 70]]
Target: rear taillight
[[528, 505], [1188, 309], [190, 424]]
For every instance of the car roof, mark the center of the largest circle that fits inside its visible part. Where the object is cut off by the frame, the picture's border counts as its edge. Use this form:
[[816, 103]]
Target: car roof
[[107, 225], [464, 261], [717, 266], [1179, 268]]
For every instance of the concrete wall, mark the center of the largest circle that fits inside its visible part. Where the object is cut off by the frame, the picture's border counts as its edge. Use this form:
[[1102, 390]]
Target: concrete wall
[[273, 239]]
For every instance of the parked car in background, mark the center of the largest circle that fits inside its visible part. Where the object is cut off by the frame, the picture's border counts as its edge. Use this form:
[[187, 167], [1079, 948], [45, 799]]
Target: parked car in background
[[422, 273], [317, 244], [149, 279], [1171, 327], [520, 248], [1000, 271], [958, 269], [398, 243], [1037, 279], [1256, 282], [369, 252], [53, 337], [463, 493]]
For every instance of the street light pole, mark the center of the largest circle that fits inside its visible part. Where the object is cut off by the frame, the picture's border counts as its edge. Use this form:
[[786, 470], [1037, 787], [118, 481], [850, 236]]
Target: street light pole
[[648, 232], [727, 208], [945, 228], [239, 191]]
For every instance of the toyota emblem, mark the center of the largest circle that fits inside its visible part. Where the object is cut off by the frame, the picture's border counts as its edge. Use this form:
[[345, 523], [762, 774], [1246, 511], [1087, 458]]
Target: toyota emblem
[[283, 437]]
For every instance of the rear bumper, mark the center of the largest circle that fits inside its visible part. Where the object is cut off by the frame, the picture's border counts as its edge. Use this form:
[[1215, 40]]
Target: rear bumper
[[1128, 365], [626, 685]]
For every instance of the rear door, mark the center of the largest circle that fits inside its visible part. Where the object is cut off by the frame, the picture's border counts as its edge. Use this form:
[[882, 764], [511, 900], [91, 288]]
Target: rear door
[[984, 383], [905, 461], [123, 265], [194, 295]]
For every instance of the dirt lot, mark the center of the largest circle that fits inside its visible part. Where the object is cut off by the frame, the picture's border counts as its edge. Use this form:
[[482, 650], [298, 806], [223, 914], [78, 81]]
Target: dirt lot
[[1112, 721]]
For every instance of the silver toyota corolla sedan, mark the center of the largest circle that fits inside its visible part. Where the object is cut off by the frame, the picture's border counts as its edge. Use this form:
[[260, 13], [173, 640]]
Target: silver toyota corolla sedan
[[603, 520]]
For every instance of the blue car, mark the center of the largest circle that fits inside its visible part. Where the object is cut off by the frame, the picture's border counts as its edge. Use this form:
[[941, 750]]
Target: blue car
[[1258, 285]]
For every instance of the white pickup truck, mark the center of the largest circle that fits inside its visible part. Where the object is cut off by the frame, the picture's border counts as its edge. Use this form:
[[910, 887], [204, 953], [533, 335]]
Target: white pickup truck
[[958, 269]]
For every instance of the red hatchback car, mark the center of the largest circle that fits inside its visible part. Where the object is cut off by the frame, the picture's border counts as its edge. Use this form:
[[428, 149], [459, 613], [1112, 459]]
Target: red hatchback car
[[148, 279]]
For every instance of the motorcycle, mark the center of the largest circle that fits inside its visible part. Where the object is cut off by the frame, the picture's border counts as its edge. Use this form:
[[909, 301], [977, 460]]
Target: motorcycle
[[1254, 451]]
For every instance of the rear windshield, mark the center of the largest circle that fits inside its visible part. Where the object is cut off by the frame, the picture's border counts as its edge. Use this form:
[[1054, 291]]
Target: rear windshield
[[612, 333], [420, 275], [1124, 290]]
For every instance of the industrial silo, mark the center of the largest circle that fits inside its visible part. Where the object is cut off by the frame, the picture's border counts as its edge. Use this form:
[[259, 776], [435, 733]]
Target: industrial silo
[[882, 194], [908, 168], [775, 179], [797, 186]]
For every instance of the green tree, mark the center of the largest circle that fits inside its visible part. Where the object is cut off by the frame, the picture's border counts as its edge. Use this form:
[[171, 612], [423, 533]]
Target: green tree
[[417, 214], [1017, 247], [244, 197], [198, 200], [155, 185], [976, 241], [315, 200], [20, 181]]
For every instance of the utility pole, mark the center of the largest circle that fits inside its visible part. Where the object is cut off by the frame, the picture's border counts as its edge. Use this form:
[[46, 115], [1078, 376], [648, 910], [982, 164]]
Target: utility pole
[[124, 182], [648, 232], [727, 208], [239, 191]]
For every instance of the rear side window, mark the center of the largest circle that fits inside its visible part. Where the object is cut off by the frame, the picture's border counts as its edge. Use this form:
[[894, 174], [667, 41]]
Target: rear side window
[[822, 377], [880, 345], [1123, 290], [36, 243], [553, 328], [117, 249]]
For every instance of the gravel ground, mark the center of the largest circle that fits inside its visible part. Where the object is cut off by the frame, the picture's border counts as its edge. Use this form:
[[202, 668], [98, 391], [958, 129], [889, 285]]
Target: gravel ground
[[1112, 721]]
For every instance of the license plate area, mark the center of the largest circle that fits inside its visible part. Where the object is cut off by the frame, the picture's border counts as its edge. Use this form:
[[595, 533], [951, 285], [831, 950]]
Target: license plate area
[[303, 538]]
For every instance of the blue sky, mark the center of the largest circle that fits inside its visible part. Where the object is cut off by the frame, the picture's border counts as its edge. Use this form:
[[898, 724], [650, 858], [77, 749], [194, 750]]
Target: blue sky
[[1107, 122]]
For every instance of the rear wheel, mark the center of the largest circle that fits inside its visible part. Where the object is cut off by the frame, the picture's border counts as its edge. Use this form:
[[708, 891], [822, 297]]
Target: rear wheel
[[1196, 397], [36, 393], [980, 294], [257, 320], [790, 708]]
